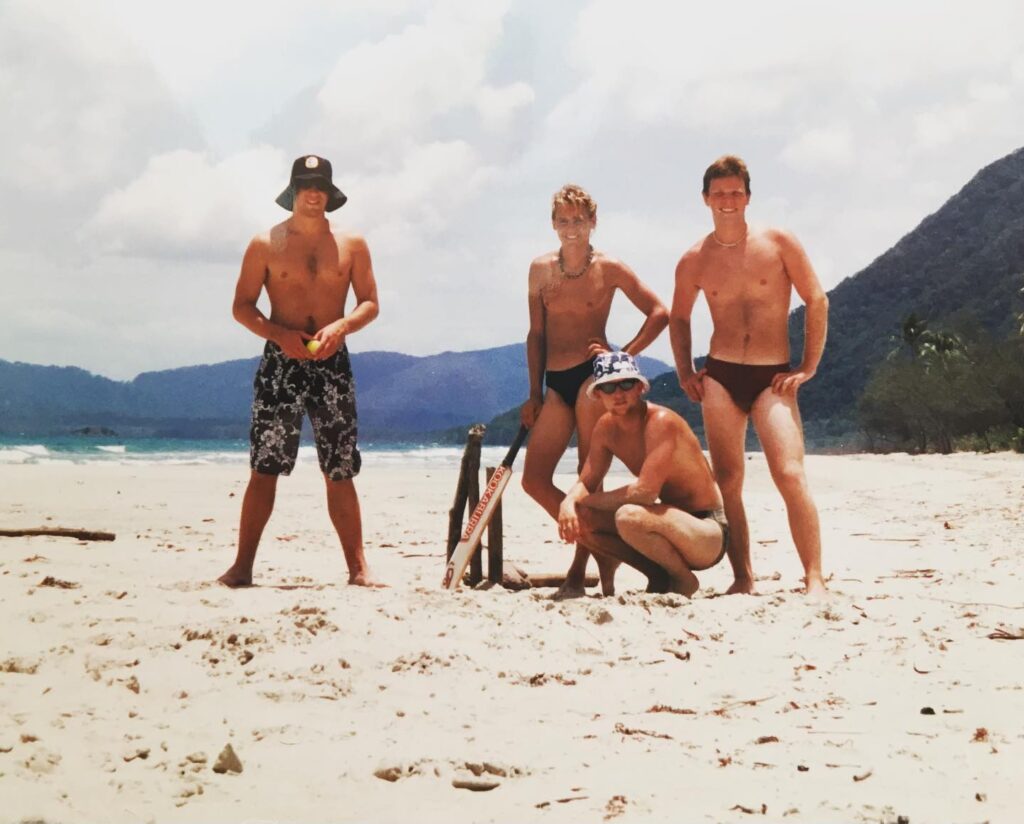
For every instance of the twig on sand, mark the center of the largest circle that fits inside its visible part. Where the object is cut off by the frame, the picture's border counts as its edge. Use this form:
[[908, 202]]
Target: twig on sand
[[750, 702], [59, 532], [750, 810], [897, 540], [973, 603], [864, 776], [1005, 635], [675, 710], [622, 729], [544, 804], [50, 581]]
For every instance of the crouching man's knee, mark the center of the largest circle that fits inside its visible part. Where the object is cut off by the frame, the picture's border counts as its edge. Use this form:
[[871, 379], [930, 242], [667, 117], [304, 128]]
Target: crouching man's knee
[[630, 518]]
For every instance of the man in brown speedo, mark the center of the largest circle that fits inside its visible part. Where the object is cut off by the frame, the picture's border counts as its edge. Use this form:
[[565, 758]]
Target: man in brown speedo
[[747, 276], [308, 270], [570, 298], [669, 521]]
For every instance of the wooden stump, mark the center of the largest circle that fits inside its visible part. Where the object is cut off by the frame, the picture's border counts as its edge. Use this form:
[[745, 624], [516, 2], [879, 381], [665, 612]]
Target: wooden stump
[[466, 470], [495, 542]]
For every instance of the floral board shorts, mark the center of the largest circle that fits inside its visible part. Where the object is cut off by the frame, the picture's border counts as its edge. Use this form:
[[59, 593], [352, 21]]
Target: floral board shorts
[[285, 389]]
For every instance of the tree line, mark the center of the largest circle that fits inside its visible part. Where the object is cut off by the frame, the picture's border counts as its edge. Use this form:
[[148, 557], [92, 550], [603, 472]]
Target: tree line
[[941, 390]]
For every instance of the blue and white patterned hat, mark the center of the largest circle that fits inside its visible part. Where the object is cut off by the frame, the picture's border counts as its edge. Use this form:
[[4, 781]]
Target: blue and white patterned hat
[[610, 367]]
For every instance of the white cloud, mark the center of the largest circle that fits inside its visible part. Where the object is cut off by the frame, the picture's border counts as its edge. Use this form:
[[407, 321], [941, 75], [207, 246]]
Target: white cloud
[[81, 105], [497, 106], [821, 150], [186, 206], [382, 96], [407, 206]]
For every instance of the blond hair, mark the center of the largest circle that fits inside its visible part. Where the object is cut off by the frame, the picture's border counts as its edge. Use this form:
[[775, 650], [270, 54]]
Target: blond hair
[[574, 196]]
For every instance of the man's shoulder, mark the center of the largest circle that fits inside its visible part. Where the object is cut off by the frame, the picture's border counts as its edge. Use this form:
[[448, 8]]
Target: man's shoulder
[[544, 261], [775, 235], [542, 269], [692, 256], [269, 240], [610, 263], [662, 420], [347, 239]]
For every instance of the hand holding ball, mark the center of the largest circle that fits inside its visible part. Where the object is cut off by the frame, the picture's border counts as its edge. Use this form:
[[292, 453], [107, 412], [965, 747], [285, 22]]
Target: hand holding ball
[[313, 346]]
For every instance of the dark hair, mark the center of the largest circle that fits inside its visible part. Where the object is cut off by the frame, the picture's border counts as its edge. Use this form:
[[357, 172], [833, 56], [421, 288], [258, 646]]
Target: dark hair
[[727, 166]]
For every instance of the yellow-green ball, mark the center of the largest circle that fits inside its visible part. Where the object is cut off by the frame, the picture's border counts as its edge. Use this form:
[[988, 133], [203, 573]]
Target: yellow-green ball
[[313, 346]]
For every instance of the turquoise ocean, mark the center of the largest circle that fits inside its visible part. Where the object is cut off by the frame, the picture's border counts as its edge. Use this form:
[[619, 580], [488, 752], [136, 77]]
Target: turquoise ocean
[[76, 449]]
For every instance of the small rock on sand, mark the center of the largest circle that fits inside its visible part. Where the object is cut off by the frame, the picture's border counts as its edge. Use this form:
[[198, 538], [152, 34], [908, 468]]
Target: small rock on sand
[[389, 773], [599, 615], [478, 785], [227, 761]]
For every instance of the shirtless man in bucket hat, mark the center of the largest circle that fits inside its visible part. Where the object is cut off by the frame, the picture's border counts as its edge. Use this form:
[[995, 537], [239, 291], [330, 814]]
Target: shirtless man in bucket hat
[[308, 270], [668, 522]]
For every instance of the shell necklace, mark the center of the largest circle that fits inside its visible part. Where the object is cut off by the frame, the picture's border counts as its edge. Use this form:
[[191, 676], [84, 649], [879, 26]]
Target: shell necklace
[[581, 270]]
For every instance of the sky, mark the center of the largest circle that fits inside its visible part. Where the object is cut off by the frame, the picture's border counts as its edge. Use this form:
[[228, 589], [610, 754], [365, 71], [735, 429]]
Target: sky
[[144, 145]]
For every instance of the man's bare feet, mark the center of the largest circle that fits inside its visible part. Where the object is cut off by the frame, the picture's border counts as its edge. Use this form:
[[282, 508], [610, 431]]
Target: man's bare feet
[[658, 584], [684, 586], [236, 578], [569, 590], [364, 579], [741, 586], [815, 588]]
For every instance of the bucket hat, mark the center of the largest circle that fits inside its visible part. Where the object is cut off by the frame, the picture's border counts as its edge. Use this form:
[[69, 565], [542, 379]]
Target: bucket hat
[[311, 169]]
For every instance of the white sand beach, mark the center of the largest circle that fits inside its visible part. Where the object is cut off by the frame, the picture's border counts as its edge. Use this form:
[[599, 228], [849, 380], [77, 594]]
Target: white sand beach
[[124, 671]]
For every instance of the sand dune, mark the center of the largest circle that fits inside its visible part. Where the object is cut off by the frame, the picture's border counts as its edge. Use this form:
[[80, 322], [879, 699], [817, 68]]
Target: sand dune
[[125, 673]]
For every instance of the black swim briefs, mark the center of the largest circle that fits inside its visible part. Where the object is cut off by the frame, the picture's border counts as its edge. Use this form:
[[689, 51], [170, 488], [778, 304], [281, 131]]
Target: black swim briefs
[[567, 382], [285, 389], [718, 516], [743, 381]]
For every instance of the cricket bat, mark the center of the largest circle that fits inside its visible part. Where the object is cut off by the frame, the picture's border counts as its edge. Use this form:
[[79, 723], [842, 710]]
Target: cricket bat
[[482, 515]]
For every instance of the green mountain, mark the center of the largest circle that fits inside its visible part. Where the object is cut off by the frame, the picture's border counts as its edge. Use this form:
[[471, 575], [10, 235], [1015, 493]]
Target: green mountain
[[963, 264]]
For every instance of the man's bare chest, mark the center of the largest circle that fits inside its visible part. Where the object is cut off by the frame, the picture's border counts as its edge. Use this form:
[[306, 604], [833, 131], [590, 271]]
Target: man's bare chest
[[321, 264], [753, 277], [585, 295]]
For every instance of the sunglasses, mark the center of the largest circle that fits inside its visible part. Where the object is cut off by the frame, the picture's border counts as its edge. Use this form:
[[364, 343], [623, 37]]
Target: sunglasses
[[610, 387], [319, 185]]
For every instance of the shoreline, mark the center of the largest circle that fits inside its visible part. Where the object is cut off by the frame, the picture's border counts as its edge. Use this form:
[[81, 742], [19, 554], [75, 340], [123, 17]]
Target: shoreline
[[346, 704]]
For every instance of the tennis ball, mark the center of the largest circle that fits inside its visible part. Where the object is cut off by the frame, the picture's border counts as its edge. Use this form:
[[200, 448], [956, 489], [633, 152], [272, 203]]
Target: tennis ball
[[313, 346]]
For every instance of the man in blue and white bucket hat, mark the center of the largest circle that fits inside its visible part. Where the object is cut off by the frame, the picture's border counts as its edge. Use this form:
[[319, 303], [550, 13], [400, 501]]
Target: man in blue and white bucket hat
[[612, 367], [669, 521]]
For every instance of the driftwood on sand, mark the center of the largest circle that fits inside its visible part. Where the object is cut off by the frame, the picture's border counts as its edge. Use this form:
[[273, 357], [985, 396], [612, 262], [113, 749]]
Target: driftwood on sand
[[59, 532]]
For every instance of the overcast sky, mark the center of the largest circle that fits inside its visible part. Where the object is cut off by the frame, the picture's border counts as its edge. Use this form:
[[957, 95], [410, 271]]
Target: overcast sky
[[144, 143]]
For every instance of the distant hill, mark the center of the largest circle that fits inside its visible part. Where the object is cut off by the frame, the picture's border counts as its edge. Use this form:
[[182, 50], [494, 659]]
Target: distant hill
[[963, 263], [400, 397]]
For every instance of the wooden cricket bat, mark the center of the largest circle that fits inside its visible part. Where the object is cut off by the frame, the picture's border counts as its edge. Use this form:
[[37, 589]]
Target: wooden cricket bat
[[482, 515]]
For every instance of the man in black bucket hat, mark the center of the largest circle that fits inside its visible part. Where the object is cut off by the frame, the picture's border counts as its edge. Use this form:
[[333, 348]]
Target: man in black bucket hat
[[310, 171], [308, 270]]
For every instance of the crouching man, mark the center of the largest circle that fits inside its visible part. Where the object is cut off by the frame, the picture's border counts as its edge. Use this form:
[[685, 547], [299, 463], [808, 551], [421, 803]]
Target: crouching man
[[669, 522]]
